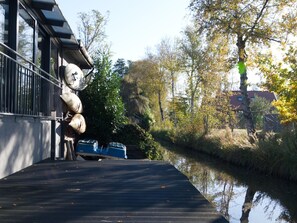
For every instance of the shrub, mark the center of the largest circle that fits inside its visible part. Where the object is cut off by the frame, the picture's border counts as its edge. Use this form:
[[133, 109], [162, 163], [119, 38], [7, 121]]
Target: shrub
[[133, 134]]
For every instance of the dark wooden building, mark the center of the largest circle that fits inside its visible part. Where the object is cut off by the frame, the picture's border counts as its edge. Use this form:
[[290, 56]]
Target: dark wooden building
[[35, 42]]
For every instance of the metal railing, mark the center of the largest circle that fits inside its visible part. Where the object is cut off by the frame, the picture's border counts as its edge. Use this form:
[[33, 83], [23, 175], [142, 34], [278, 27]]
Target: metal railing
[[23, 84]]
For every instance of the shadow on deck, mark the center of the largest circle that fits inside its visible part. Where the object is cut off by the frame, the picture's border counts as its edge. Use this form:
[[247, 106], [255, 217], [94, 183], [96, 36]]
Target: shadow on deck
[[106, 191]]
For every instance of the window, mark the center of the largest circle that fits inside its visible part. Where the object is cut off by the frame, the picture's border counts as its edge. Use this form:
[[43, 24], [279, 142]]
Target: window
[[4, 10], [54, 61], [26, 35], [4, 14], [26, 78]]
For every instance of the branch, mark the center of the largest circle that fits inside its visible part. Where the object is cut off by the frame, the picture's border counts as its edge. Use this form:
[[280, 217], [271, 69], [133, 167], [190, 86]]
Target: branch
[[258, 18]]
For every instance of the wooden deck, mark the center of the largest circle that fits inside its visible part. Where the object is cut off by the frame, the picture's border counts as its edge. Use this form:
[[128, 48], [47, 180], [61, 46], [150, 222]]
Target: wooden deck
[[106, 191]]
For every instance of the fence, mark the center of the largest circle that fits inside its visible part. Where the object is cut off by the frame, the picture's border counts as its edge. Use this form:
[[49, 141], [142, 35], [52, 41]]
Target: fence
[[23, 85]]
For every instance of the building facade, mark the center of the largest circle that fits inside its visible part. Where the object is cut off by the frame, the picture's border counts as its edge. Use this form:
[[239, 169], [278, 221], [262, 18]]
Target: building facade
[[270, 120], [36, 42]]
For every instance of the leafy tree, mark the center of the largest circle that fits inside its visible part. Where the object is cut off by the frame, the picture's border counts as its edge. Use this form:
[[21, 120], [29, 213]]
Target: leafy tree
[[181, 109], [155, 84], [120, 67], [214, 78], [137, 94], [224, 112], [193, 64], [259, 107], [103, 107], [169, 58], [136, 104], [281, 79], [134, 99], [148, 81], [245, 22], [91, 30], [204, 63]]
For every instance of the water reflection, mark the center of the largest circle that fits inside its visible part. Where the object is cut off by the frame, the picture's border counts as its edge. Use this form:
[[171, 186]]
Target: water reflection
[[242, 196]]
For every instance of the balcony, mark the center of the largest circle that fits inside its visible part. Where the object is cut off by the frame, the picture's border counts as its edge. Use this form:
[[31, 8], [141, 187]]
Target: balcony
[[25, 88]]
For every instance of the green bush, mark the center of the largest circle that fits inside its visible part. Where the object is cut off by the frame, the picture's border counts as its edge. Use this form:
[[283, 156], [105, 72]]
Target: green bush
[[135, 135], [103, 107]]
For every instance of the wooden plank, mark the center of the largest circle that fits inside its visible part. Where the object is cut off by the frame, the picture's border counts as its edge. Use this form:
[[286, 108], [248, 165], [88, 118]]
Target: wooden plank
[[106, 191]]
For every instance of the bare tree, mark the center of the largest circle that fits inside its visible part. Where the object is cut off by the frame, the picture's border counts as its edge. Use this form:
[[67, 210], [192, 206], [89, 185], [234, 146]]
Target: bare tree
[[91, 30]]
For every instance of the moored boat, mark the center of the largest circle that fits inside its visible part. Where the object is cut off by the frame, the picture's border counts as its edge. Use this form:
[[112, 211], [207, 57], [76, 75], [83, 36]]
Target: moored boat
[[89, 147]]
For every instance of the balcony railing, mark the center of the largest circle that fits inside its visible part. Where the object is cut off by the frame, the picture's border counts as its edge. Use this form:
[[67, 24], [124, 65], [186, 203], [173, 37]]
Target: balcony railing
[[24, 86]]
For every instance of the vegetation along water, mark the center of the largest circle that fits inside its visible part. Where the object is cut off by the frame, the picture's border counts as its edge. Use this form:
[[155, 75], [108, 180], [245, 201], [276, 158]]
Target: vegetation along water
[[229, 188]]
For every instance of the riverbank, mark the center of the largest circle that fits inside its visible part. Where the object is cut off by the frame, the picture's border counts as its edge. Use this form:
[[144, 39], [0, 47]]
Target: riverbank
[[226, 186], [274, 154]]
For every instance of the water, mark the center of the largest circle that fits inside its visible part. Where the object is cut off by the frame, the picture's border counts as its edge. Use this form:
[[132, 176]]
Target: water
[[228, 187]]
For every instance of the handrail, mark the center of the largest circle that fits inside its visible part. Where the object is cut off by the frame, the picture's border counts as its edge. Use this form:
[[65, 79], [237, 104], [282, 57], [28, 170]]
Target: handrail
[[33, 71], [24, 87], [5, 114], [31, 63]]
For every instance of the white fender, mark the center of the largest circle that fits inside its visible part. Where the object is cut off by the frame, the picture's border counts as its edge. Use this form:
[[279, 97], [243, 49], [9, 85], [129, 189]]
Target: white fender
[[78, 123], [72, 101]]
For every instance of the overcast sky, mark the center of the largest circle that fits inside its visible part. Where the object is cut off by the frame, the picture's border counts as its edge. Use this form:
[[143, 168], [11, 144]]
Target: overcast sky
[[134, 25]]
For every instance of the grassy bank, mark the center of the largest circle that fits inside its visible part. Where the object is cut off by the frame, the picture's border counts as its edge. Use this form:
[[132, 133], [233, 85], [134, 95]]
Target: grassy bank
[[274, 154]]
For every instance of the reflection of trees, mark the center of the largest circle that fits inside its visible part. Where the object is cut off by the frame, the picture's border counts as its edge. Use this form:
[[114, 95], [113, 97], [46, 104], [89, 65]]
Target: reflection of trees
[[199, 176], [247, 205], [205, 180], [217, 180], [2, 23], [25, 38], [227, 195], [285, 215]]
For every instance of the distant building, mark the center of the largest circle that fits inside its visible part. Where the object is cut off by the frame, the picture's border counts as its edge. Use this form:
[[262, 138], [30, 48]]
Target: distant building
[[35, 42], [270, 121], [236, 98]]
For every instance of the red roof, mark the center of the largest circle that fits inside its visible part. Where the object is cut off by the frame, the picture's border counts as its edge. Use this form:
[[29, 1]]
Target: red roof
[[236, 98]]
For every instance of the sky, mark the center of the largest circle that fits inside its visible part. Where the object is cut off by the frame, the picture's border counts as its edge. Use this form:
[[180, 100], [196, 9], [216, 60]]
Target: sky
[[134, 25]]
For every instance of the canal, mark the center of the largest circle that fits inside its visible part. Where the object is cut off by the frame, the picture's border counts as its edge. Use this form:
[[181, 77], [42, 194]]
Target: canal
[[228, 188]]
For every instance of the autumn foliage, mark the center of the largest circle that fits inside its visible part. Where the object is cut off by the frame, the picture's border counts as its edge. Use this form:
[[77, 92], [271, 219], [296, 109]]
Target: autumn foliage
[[281, 78]]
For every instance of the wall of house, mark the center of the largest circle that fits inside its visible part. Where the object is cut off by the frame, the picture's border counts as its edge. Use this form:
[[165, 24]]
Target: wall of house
[[24, 141]]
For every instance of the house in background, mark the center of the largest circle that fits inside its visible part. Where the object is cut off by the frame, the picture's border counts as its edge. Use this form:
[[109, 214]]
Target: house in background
[[270, 121], [236, 98], [35, 42]]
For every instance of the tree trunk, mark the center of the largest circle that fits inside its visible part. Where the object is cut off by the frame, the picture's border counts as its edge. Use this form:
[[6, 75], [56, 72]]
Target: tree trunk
[[247, 205], [206, 125], [160, 106], [173, 98], [247, 114], [192, 105]]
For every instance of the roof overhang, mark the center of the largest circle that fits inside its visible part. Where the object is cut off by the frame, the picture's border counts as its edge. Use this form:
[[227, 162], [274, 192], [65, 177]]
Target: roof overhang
[[52, 17], [72, 51], [43, 4]]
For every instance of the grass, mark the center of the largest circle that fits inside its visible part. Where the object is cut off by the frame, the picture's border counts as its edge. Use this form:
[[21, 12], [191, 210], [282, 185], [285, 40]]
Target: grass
[[274, 154]]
